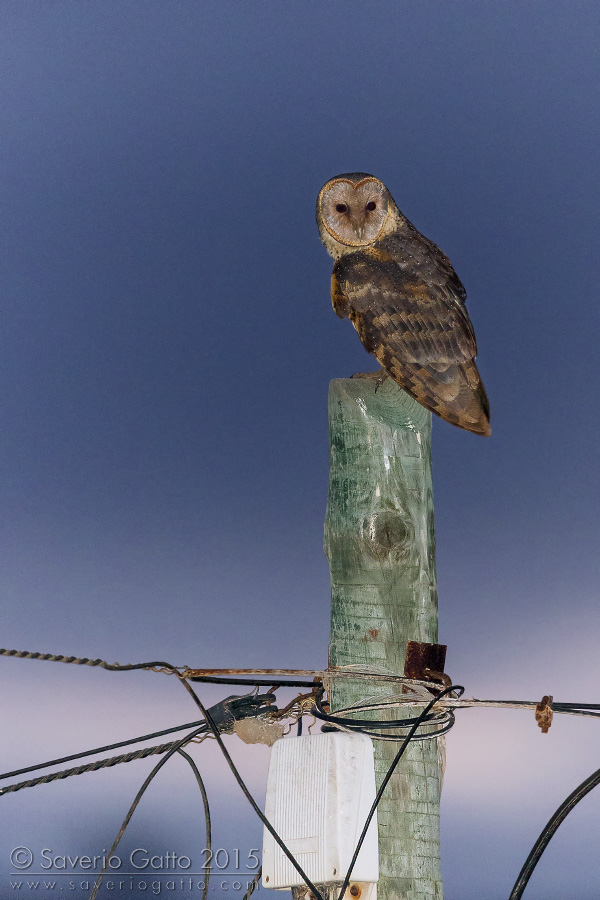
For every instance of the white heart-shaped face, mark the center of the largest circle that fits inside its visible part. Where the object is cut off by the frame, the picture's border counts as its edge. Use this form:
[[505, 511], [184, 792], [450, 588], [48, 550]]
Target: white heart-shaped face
[[353, 213]]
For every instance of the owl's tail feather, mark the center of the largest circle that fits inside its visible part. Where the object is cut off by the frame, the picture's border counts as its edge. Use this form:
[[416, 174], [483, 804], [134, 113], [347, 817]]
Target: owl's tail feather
[[452, 391]]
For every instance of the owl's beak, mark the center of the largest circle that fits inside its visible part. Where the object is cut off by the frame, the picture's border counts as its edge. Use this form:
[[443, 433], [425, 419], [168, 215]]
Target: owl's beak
[[359, 226]]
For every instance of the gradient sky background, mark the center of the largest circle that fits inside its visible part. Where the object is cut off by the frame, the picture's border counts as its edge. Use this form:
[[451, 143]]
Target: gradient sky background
[[168, 340]]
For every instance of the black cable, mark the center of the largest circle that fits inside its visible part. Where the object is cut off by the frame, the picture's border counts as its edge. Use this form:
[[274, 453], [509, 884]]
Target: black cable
[[415, 738], [64, 759], [246, 792], [253, 885], [576, 705], [445, 720], [175, 747], [549, 830], [364, 724], [320, 713], [257, 682], [207, 823], [454, 687], [395, 738], [578, 709], [127, 667]]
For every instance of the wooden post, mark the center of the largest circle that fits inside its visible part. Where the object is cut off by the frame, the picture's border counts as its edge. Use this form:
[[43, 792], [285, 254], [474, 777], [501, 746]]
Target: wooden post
[[379, 540]]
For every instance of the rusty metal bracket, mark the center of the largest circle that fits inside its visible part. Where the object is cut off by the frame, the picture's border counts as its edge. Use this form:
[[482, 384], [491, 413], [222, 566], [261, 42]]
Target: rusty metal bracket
[[544, 713], [425, 662]]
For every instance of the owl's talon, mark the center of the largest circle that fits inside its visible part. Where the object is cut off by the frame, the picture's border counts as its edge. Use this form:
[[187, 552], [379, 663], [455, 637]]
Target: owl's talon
[[379, 377]]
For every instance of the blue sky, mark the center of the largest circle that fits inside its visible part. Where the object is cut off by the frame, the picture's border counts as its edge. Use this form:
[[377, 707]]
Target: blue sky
[[168, 340]]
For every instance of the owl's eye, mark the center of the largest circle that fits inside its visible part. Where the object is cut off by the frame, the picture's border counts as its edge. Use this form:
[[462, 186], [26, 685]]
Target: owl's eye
[[342, 208], [371, 206]]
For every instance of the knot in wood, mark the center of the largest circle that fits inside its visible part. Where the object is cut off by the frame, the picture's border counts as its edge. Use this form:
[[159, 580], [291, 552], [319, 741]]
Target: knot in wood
[[387, 532]]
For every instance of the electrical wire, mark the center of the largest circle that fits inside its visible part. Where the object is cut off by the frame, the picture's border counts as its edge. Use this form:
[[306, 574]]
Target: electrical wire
[[440, 722], [100, 763], [64, 759], [177, 745], [548, 832], [207, 823], [421, 690], [253, 885], [399, 737], [444, 720], [572, 709]]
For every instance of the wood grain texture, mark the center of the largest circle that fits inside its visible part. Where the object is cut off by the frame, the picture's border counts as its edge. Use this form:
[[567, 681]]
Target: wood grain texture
[[379, 540]]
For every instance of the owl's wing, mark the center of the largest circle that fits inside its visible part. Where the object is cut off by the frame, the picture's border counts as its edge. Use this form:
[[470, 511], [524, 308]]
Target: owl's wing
[[422, 317], [414, 321]]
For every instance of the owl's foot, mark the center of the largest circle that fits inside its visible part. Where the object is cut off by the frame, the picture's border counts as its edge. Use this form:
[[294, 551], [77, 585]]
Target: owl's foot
[[379, 376]]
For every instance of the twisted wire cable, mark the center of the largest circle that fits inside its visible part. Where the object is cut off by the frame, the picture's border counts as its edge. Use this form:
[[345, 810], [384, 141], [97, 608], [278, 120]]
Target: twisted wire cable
[[156, 666], [93, 766], [95, 750]]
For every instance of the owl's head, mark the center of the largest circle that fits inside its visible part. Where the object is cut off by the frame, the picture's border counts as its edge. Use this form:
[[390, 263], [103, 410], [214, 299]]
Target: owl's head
[[353, 211]]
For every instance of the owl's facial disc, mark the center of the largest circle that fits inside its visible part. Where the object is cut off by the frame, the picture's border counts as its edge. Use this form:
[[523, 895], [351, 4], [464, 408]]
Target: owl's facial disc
[[354, 213]]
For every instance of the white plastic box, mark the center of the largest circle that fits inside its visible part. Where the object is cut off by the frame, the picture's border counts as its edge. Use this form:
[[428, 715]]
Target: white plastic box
[[320, 789]]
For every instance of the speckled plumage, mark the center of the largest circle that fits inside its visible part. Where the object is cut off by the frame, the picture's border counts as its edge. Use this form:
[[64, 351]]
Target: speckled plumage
[[404, 299]]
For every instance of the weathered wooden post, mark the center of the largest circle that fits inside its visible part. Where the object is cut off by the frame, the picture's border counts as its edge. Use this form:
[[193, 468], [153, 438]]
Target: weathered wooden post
[[379, 540]]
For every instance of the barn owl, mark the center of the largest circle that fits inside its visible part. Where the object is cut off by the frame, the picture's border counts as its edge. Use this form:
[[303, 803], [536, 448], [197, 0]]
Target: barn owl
[[404, 299]]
